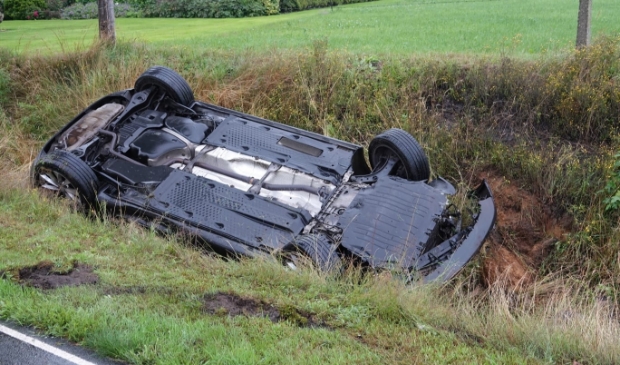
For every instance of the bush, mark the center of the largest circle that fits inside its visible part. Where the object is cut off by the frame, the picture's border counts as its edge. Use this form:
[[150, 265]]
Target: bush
[[228, 8], [89, 11], [54, 7], [287, 6], [124, 10], [49, 14], [80, 11], [210, 8], [57, 5], [272, 7], [23, 9]]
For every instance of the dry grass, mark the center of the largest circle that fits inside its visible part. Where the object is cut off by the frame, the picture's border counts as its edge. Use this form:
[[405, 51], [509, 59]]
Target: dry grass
[[551, 319]]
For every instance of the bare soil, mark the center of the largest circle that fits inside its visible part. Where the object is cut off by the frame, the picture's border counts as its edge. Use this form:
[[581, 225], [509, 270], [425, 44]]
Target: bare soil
[[225, 304], [525, 232], [45, 275]]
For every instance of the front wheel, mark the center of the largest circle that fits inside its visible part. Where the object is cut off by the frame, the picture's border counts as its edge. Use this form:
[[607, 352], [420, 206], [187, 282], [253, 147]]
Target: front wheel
[[63, 174], [401, 152]]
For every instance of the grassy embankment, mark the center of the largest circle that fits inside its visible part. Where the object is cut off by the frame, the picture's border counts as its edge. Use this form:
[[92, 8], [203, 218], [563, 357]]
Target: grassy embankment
[[523, 28], [547, 126]]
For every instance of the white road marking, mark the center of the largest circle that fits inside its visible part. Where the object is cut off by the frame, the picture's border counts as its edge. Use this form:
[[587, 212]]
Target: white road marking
[[45, 347]]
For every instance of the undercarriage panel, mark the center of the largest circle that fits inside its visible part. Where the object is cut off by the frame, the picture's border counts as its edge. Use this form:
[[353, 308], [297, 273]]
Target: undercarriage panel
[[320, 159], [390, 223], [226, 211]]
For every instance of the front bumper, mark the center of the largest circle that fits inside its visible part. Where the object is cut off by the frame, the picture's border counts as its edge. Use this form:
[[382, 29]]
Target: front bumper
[[474, 237]]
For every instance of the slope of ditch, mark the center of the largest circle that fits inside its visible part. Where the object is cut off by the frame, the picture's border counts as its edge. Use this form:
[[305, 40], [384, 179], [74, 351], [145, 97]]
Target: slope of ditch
[[525, 232]]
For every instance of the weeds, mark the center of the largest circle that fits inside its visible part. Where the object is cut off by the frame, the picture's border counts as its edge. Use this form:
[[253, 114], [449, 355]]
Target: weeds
[[611, 191]]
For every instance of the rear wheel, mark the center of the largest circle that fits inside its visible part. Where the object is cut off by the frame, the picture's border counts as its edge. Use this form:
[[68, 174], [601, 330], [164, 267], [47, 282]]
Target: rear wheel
[[63, 174], [401, 152], [168, 81], [316, 247]]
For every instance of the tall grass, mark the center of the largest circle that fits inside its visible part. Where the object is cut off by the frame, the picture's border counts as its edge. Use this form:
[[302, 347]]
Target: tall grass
[[550, 321]]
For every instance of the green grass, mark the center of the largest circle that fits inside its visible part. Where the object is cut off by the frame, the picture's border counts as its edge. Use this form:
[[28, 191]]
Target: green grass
[[523, 28]]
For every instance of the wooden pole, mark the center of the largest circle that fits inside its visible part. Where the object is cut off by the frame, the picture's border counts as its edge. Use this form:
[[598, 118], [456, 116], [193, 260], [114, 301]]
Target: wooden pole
[[583, 23], [107, 32]]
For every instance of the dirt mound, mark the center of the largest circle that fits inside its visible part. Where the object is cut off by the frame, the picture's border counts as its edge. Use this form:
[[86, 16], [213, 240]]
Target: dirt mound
[[232, 305], [503, 266], [525, 232], [45, 275]]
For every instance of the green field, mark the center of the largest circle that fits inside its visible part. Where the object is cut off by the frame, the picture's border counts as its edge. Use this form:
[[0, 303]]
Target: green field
[[522, 28]]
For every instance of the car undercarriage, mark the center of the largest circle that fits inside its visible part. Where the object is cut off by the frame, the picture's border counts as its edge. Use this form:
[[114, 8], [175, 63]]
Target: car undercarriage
[[244, 185]]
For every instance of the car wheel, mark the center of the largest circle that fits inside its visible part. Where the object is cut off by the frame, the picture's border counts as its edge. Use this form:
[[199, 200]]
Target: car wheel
[[167, 80], [63, 174], [411, 162], [316, 247]]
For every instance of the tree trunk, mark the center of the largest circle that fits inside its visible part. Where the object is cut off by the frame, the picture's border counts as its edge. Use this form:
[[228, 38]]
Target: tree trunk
[[583, 23], [107, 32]]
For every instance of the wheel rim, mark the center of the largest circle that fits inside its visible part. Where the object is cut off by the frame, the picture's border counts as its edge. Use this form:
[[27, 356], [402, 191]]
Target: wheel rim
[[57, 183], [291, 265], [290, 259], [382, 157]]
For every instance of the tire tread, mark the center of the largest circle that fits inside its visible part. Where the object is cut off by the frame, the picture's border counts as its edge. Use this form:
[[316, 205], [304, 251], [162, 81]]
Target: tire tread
[[173, 84], [74, 169], [319, 249], [410, 152]]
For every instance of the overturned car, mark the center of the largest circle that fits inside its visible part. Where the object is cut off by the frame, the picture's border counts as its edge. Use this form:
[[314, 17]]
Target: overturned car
[[248, 186]]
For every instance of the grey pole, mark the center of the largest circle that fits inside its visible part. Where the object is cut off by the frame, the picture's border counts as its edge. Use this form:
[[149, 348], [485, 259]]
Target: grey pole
[[107, 32], [583, 23]]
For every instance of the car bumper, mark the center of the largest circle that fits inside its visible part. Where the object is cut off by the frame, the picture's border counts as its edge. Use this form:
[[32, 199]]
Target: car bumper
[[473, 240]]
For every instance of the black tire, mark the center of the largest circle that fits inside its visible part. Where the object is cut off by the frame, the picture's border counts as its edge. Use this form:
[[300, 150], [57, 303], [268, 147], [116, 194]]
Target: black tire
[[64, 174], [412, 161], [167, 80], [318, 248]]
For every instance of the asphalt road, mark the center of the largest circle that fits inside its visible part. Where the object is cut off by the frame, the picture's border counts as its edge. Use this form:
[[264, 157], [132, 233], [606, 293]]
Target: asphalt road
[[23, 346]]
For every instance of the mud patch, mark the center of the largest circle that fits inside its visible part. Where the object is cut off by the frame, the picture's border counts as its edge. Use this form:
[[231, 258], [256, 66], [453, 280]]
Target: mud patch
[[225, 304], [526, 231], [45, 275]]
